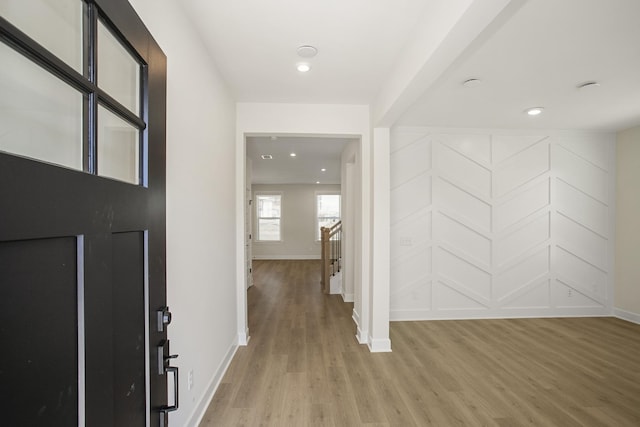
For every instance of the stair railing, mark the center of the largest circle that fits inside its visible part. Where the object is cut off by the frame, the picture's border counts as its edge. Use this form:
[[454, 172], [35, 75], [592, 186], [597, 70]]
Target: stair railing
[[331, 238]]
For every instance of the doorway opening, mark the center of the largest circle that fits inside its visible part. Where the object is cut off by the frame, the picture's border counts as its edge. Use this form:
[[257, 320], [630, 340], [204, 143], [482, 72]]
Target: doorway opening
[[286, 176]]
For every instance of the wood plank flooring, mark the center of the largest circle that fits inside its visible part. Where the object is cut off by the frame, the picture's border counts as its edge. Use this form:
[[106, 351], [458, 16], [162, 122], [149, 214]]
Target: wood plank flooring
[[303, 367]]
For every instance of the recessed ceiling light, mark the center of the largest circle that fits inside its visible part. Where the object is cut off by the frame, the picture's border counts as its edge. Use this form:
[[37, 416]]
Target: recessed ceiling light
[[307, 51], [303, 67], [470, 83], [534, 111], [323, 170], [266, 157], [292, 154], [273, 138], [317, 182]]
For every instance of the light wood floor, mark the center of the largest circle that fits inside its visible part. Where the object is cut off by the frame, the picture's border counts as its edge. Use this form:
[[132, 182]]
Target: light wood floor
[[303, 367]]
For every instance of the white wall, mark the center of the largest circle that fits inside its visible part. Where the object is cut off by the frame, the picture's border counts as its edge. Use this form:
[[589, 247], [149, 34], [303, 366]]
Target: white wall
[[380, 249], [627, 287], [200, 208], [493, 223], [298, 221], [308, 119], [350, 166]]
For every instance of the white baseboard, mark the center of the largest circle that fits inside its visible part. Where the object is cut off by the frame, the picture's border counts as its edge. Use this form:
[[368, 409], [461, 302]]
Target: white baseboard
[[379, 345], [243, 338], [335, 284], [361, 336], [285, 257], [626, 315], [420, 315], [347, 297], [201, 408]]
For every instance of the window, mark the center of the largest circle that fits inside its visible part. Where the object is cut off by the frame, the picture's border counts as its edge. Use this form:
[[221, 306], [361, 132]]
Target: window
[[327, 211], [269, 208], [73, 90]]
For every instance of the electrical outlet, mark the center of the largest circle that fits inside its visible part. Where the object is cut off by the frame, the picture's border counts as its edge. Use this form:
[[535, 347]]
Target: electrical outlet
[[190, 380], [570, 293]]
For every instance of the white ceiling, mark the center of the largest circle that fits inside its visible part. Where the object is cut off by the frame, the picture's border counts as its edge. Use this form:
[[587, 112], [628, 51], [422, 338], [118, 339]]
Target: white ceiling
[[312, 155], [254, 44], [536, 57]]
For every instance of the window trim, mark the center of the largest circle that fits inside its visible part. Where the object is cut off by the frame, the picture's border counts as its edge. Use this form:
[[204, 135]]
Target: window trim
[[258, 217], [318, 237]]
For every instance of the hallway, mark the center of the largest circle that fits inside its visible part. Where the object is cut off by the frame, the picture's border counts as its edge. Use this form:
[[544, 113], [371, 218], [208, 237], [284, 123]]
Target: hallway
[[304, 367], [293, 371]]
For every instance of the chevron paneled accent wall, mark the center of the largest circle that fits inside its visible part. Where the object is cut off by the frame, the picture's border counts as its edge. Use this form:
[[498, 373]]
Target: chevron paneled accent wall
[[501, 224]]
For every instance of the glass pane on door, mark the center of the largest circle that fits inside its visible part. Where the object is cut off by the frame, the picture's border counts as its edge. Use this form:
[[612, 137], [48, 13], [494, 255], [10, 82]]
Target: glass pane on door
[[55, 24], [118, 148], [40, 115], [118, 71]]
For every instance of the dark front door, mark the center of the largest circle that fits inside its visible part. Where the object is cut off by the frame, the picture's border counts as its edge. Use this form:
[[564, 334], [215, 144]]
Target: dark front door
[[82, 216]]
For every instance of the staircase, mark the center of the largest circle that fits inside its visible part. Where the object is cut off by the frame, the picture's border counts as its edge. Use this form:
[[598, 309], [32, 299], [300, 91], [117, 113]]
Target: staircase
[[331, 238]]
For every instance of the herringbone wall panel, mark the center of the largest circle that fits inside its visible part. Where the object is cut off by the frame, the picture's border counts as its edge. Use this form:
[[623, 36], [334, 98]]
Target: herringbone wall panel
[[500, 224]]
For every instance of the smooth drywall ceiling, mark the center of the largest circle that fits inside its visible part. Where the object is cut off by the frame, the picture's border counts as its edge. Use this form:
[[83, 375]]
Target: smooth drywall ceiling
[[500, 223], [201, 289], [298, 221], [627, 288]]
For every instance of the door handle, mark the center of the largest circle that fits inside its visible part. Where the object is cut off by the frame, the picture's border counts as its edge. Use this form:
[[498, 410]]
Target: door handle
[[174, 407], [164, 358], [163, 361]]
